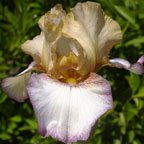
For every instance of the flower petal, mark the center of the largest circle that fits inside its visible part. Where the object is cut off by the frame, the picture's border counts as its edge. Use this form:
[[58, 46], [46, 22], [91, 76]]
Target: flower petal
[[110, 34], [95, 31], [74, 29], [51, 24], [70, 49], [65, 46], [137, 67], [34, 47], [15, 87], [65, 112], [90, 15]]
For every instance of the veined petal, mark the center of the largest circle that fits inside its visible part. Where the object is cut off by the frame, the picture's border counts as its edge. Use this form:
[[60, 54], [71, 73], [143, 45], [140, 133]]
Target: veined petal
[[46, 54], [110, 34], [15, 87], [51, 23], [66, 112], [74, 29], [90, 15], [95, 32], [137, 67], [65, 46], [34, 47]]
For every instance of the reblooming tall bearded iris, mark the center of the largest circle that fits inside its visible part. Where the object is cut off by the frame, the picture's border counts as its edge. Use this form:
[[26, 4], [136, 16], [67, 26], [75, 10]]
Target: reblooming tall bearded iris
[[66, 93]]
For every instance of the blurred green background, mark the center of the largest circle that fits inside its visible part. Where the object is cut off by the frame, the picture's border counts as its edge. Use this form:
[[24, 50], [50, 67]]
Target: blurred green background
[[125, 123]]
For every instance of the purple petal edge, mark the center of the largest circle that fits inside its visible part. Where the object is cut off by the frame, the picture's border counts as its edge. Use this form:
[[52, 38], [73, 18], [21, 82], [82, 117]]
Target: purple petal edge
[[137, 68], [36, 81]]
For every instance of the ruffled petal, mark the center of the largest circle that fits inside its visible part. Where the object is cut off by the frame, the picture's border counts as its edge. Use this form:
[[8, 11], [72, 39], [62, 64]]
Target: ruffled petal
[[90, 15], [137, 67], [74, 29], [110, 34], [34, 47], [66, 112], [51, 23], [15, 87]]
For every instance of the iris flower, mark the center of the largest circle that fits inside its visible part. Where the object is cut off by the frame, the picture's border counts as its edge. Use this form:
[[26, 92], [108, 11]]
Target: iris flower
[[66, 93]]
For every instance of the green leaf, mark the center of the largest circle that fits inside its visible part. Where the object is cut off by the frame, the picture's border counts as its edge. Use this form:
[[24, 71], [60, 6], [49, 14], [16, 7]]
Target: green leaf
[[117, 141], [5, 136], [126, 13], [16, 118], [140, 93], [134, 82], [11, 17], [32, 123], [131, 136], [136, 41]]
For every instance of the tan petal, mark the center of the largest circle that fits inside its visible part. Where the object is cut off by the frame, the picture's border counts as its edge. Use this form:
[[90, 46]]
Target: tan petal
[[95, 32], [74, 29], [65, 46], [46, 54], [41, 22], [110, 34], [51, 23], [34, 47], [90, 15]]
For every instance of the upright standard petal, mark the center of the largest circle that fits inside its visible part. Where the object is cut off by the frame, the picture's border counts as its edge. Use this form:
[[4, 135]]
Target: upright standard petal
[[51, 24], [68, 112], [91, 16], [110, 34], [15, 87], [137, 67], [74, 29], [95, 32], [34, 47]]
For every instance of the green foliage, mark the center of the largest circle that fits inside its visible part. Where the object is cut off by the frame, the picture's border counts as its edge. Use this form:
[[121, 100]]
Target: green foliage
[[125, 123]]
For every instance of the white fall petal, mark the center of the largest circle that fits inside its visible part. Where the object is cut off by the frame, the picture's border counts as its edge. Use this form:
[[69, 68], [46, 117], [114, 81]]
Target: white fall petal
[[137, 67], [15, 87], [66, 112]]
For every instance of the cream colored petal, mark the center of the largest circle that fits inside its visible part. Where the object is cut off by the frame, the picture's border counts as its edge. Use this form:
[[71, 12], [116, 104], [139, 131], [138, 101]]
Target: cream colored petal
[[51, 23], [65, 46], [95, 31], [41, 23], [48, 54], [90, 15], [110, 34], [15, 87], [74, 29], [84, 25], [34, 47]]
